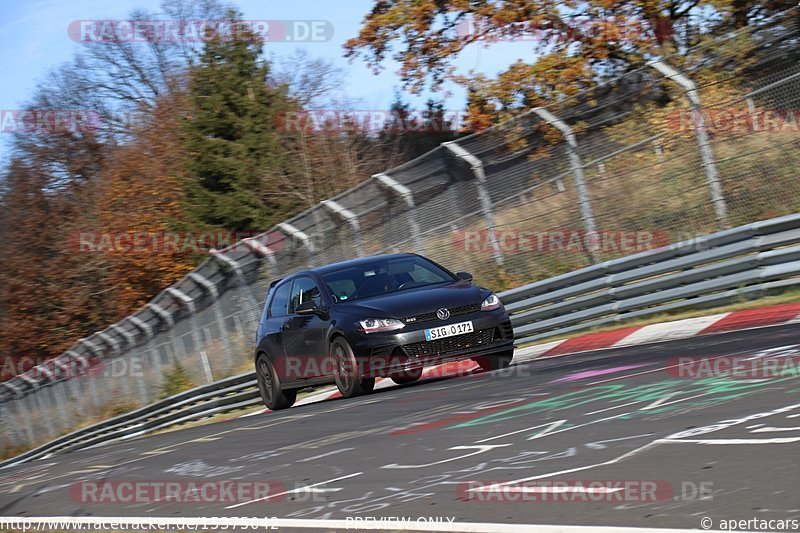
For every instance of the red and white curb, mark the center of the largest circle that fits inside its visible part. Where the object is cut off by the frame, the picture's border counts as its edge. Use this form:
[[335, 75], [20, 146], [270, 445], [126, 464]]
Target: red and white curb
[[618, 338], [665, 331]]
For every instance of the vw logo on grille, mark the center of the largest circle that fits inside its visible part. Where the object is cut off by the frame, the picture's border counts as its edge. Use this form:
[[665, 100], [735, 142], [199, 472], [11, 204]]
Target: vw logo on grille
[[443, 314]]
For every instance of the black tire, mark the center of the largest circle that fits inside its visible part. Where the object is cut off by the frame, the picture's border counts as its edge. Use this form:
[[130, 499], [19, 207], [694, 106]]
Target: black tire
[[495, 362], [274, 397], [406, 377], [347, 372]]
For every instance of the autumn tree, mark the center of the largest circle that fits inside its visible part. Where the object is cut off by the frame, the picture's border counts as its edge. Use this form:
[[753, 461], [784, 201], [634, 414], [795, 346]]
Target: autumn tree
[[573, 45]]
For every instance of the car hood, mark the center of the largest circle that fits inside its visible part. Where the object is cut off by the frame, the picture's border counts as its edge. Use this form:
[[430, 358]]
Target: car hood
[[412, 302]]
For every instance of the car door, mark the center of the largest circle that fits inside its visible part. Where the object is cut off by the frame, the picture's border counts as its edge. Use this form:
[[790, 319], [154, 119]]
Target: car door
[[271, 326], [305, 337]]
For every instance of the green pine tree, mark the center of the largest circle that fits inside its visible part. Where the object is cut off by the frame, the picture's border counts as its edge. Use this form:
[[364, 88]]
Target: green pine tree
[[230, 134]]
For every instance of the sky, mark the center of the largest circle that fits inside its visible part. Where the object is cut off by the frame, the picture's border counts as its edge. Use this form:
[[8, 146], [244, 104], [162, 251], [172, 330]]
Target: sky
[[34, 40]]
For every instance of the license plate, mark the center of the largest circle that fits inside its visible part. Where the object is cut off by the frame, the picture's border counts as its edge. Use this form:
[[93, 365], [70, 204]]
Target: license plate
[[448, 331]]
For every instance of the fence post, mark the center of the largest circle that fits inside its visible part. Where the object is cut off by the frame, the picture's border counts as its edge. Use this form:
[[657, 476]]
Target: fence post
[[701, 133], [392, 185], [587, 214], [349, 217], [486, 201], [302, 237], [261, 249], [251, 304], [188, 302], [85, 364], [209, 287]]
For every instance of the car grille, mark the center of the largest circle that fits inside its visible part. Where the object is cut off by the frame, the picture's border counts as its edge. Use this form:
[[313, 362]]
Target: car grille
[[454, 311], [449, 344]]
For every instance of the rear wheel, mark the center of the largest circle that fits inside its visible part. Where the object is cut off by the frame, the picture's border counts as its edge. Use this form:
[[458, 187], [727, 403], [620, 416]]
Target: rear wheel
[[495, 362], [407, 376], [269, 387], [346, 371]]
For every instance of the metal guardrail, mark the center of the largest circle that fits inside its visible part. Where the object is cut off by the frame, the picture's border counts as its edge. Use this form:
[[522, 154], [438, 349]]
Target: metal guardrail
[[745, 262], [741, 263], [228, 394]]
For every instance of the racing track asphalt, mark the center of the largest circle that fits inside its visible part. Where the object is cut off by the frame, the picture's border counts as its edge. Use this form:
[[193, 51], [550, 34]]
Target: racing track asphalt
[[415, 451]]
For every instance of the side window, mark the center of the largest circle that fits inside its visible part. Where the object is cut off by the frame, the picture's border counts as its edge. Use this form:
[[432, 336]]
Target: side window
[[303, 290], [281, 300]]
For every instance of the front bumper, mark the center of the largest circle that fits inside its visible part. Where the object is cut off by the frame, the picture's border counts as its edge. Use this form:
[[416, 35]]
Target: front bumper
[[407, 349]]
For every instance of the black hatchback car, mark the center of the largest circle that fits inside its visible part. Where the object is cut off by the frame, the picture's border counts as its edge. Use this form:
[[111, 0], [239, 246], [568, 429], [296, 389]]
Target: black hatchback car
[[381, 316]]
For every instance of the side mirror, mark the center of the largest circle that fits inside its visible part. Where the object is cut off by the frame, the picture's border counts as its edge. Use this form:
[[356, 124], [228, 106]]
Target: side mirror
[[309, 308], [466, 276]]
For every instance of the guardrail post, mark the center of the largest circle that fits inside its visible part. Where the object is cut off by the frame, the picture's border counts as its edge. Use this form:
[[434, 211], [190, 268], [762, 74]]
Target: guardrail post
[[486, 201], [392, 185], [349, 217], [587, 214], [301, 236], [701, 133]]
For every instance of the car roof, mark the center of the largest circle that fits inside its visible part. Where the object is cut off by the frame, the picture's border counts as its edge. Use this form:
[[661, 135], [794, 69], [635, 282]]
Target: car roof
[[354, 263]]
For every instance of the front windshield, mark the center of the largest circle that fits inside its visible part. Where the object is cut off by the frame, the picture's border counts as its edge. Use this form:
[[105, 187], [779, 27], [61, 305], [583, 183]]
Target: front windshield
[[383, 277]]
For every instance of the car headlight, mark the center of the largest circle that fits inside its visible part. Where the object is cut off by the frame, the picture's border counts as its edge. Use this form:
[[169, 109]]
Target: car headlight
[[491, 302], [376, 325]]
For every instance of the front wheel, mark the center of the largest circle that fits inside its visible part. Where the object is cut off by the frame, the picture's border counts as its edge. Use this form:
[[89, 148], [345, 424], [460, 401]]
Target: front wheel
[[346, 371], [495, 362], [274, 397]]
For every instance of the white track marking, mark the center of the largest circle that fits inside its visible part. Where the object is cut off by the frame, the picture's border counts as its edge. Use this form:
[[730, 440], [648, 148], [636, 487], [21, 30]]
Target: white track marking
[[496, 486], [599, 445], [478, 449], [329, 525], [612, 408], [548, 427], [660, 401], [324, 455], [779, 440], [305, 488]]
